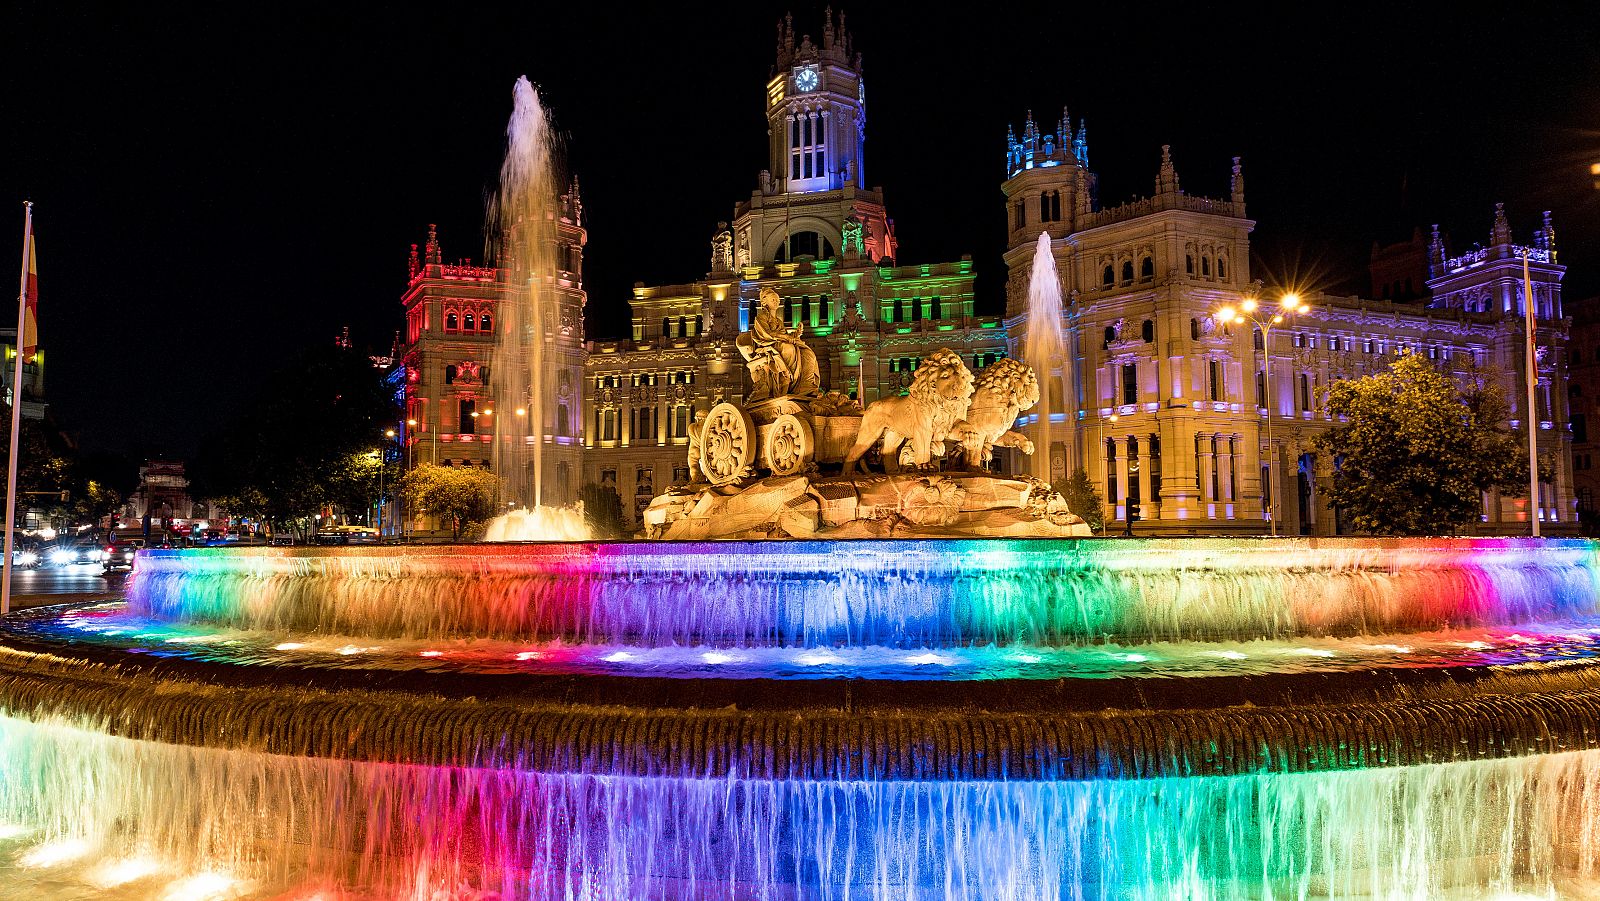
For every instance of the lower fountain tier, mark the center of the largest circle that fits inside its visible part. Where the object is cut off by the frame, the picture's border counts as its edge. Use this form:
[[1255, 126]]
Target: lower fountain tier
[[820, 730]]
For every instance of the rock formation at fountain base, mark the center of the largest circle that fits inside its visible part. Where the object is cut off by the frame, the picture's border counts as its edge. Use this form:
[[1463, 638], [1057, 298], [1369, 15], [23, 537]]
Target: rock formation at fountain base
[[904, 505]]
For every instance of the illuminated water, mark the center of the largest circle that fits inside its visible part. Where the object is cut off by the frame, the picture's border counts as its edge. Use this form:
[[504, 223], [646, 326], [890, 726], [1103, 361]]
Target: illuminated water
[[845, 720], [1045, 348]]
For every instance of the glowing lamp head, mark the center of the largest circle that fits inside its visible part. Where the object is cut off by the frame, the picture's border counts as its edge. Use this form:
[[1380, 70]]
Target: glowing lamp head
[[522, 411], [1226, 314], [1276, 319], [1249, 305], [411, 422], [1292, 302], [389, 433]]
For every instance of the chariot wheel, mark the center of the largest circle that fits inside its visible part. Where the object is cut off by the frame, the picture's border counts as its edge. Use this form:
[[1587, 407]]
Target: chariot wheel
[[727, 444], [790, 445]]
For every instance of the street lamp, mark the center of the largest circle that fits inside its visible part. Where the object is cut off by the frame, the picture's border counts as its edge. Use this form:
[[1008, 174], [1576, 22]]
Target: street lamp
[[1251, 311]]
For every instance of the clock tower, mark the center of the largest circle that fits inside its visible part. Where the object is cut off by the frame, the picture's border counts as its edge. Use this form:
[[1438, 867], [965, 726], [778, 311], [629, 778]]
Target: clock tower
[[813, 200], [815, 111]]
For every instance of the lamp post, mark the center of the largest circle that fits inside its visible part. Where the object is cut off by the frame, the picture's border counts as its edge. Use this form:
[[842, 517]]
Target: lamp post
[[383, 463], [1251, 311]]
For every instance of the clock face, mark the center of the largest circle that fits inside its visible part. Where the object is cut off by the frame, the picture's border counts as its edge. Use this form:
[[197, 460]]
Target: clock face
[[806, 79]]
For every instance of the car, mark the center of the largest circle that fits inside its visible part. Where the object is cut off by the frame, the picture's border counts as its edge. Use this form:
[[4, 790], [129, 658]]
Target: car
[[120, 553], [282, 539], [76, 552], [24, 556]]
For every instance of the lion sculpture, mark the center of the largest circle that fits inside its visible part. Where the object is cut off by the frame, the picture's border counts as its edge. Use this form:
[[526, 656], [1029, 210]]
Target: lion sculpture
[[1003, 391], [922, 418]]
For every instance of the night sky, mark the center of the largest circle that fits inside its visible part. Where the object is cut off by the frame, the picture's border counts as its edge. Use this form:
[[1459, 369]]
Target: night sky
[[217, 189]]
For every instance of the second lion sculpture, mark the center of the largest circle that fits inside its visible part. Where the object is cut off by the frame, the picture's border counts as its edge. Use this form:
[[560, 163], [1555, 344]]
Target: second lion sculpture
[[923, 418]]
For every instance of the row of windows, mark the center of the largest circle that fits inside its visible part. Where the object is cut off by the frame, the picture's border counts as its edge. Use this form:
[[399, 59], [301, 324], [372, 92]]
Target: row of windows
[[807, 146], [608, 422], [645, 379], [913, 309], [1108, 275], [1205, 265], [797, 310], [480, 323], [468, 415], [687, 326]]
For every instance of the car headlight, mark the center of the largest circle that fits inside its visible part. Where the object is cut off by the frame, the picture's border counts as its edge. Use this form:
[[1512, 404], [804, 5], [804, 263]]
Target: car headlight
[[27, 558], [61, 558]]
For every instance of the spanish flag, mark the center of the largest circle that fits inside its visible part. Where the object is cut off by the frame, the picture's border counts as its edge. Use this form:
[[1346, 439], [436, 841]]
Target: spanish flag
[[29, 340]]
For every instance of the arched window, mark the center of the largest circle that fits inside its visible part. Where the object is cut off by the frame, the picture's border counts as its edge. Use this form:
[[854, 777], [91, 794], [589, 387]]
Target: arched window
[[1044, 206], [1194, 329], [1305, 392], [451, 323], [1215, 367], [1020, 214], [1205, 266], [1147, 331], [1188, 263], [1111, 335], [1222, 267], [1147, 268], [1108, 277], [486, 322], [1261, 388], [469, 323], [1111, 471], [1255, 339], [1127, 272], [666, 326], [563, 421], [450, 374]]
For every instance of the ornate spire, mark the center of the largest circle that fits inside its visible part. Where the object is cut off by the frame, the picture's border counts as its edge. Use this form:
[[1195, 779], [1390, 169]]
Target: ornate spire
[[827, 29], [1502, 229], [1064, 129], [1236, 183], [1167, 178], [412, 263], [434, 257], [1436, 253], [1080, 144], [1547, 236]]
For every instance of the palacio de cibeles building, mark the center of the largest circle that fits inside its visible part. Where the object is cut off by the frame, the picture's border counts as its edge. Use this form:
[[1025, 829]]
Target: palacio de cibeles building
[[1163, 405]]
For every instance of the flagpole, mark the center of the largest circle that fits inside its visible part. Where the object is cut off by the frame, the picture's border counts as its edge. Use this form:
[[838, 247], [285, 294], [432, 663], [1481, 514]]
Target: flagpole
[[16, 413], [1532, 411]]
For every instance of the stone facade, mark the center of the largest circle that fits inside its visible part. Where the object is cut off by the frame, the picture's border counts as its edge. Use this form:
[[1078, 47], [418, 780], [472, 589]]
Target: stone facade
[[1167, 409], [817, 234], [1583, 393], [452, 311]]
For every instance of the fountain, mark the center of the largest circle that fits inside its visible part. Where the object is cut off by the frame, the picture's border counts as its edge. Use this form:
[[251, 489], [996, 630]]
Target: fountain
[[977, 703], [1045, 345], [522, 227]]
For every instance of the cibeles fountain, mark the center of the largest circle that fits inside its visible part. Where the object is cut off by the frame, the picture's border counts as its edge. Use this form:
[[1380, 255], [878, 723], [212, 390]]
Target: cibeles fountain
[[758, 466], [820, 713]]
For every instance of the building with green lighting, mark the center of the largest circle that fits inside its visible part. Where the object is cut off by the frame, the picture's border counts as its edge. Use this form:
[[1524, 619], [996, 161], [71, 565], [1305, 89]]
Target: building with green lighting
[[814, 231]]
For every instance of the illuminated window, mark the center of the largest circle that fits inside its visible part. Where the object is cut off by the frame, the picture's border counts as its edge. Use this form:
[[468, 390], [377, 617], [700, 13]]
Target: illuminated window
[[680, 421]]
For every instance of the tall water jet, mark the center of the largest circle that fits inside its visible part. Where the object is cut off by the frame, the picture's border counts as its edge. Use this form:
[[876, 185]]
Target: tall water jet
[[1045, 347], [523, 234]]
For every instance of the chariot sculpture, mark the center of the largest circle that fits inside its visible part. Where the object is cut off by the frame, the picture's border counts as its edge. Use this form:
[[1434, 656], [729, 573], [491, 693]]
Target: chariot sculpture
[[787, 427]]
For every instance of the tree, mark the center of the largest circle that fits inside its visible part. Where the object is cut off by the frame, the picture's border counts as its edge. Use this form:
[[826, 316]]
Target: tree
[[1416, 451], [1082, 498], [602, 508], [459, 494]]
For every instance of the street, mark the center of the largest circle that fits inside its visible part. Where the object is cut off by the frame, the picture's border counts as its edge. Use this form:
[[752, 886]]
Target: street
[[61, 584]]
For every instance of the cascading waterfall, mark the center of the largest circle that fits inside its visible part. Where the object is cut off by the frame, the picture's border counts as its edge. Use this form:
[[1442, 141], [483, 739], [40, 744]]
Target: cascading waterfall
[[1045, 348], [886, 593], [507, 720], [523, 231]]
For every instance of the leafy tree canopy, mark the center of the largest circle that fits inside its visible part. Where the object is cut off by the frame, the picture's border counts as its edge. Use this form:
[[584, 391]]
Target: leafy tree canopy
[[1416, 451], [461, 495]]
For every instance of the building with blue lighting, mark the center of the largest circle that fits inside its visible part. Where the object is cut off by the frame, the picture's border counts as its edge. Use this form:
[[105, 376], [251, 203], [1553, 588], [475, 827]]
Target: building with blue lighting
[[1167, 409]]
